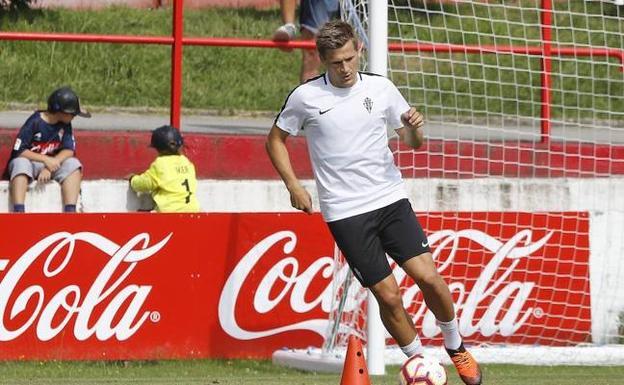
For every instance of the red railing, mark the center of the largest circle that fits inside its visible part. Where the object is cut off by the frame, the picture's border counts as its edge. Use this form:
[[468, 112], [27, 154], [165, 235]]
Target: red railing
[[177, 41]]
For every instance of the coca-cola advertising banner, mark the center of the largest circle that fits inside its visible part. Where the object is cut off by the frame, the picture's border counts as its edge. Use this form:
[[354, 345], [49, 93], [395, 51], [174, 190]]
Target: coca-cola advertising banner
[[150, 286]]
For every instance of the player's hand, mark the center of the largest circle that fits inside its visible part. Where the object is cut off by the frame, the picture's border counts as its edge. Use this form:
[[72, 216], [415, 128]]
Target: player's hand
[[300, 199], [44, 176], [412, 119], [51, 163]]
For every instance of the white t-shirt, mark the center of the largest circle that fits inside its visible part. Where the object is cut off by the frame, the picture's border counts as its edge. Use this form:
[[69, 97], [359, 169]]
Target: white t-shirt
[[346, 133]]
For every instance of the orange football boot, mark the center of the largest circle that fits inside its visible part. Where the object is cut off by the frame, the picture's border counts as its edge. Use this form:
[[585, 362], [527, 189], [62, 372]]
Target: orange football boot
[[467, 367]]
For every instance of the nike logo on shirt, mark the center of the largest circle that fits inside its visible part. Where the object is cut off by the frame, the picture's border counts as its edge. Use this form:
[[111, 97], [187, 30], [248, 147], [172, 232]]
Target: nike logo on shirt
[[321, 112], [424, 244]]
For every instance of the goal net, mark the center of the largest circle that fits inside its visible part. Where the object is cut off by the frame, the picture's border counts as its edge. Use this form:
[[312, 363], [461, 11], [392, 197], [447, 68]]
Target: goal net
[[519, 184]]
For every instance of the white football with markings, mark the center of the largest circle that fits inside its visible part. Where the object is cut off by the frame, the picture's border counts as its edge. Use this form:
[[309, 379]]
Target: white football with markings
[[422, 370]]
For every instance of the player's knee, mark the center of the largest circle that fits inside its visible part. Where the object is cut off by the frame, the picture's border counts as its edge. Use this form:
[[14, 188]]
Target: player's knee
[[20, 167], [20, 178], [428, 279], [389, 298], [19, 161], [71, 164], [69, 167], [75, 176]]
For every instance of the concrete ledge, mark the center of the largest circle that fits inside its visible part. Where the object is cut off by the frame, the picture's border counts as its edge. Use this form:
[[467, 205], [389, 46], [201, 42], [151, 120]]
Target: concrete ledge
[[115, 196]]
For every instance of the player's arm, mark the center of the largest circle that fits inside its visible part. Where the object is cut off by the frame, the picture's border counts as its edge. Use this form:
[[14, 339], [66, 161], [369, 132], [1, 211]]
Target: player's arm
[[412, 132], [34, 156], [145, 182], [276, 148], [68, 146], [51, 163], [63, 155]]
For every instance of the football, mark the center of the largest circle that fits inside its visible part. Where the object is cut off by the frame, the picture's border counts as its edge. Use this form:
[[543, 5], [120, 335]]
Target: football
[[419, 370]]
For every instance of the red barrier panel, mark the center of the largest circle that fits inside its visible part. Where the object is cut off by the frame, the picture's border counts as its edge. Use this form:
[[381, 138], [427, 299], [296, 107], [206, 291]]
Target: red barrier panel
[[149, 286], [112, 155]]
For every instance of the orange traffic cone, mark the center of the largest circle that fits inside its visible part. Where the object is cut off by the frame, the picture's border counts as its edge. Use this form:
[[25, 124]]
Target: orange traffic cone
[[354, 371]]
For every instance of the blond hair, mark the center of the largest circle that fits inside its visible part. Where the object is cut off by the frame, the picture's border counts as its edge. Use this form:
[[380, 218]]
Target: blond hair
[[333, 35]]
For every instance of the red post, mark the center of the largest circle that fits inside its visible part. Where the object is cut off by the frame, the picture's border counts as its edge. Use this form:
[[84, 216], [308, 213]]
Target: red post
[[546, 68], [176, 62]]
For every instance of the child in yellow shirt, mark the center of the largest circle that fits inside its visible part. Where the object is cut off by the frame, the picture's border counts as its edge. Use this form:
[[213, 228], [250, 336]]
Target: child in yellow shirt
[[170, 178]]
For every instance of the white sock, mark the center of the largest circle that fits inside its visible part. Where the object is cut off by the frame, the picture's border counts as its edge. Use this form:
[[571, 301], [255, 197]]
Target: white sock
[[450, 331], [413, 348]]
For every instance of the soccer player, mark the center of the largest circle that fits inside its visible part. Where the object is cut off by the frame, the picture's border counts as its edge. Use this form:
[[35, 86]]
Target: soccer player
[[171, 176], [344, 114]]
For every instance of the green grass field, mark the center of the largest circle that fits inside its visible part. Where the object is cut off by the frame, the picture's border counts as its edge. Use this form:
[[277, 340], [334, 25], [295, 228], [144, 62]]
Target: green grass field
[[231, 372]]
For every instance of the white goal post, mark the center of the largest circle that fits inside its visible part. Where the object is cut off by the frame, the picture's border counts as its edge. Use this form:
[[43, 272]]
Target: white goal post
[[520, 182]]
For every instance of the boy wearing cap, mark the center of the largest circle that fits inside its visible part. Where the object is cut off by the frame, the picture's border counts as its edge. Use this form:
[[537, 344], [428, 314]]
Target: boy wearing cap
[[170, 178], [45, 149]]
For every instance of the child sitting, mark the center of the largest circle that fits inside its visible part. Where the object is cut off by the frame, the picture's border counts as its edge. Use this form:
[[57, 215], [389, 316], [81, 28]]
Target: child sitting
[[45, 150]]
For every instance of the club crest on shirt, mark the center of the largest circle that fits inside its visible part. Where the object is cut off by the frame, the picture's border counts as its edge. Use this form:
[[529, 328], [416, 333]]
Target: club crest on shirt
[[368, 104]]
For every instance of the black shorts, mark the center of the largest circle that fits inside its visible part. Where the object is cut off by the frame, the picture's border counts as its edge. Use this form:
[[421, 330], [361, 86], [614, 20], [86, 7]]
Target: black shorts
[[365, 239]]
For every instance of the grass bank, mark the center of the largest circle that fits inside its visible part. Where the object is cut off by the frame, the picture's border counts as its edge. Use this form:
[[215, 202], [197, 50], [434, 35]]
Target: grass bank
[[138, 76]]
